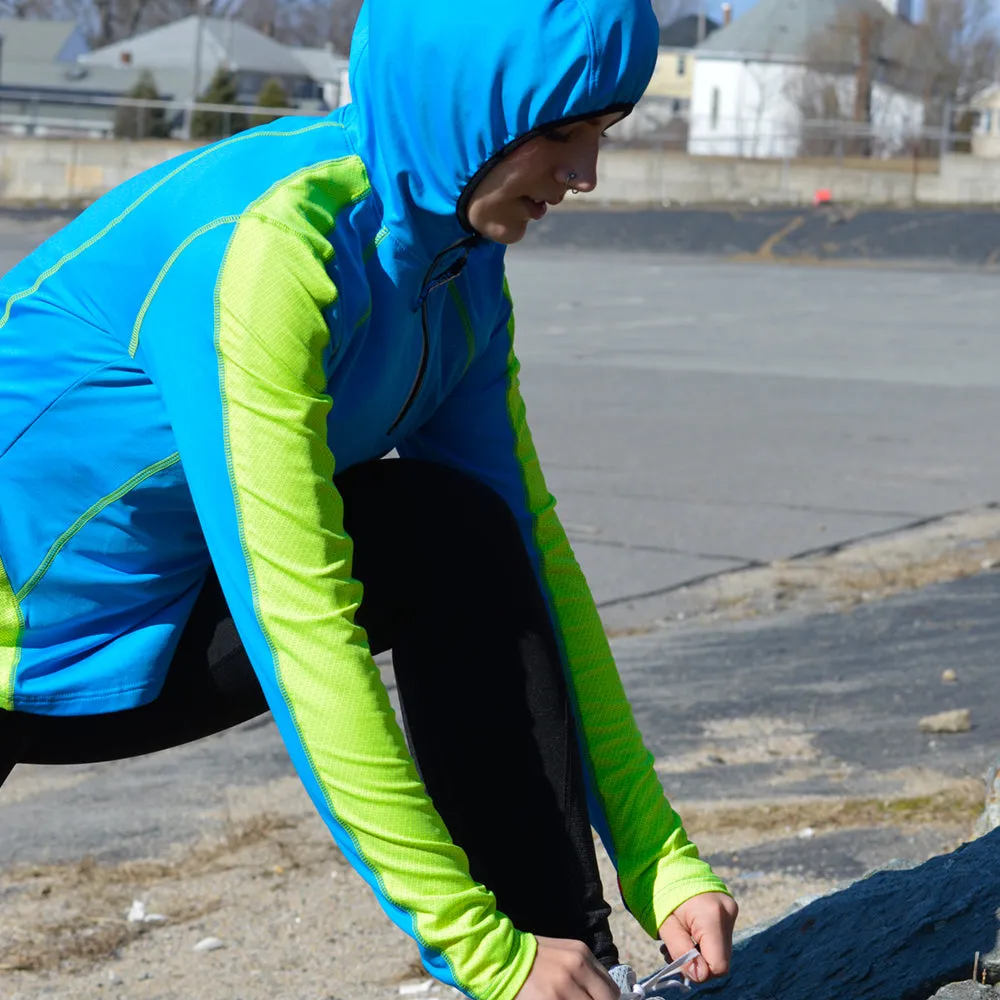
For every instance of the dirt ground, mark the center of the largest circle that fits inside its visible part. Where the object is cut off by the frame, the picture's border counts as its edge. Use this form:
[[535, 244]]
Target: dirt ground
[[292, 921]]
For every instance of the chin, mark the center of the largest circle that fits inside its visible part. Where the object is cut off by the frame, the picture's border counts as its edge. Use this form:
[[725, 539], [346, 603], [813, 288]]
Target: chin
[[506, 233]]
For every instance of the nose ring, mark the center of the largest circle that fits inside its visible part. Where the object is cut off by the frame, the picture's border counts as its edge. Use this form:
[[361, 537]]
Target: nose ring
[[569, 182]]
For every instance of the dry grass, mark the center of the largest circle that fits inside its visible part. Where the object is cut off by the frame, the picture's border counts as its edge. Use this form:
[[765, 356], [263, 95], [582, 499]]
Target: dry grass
[[80, 934], [881, 580], [960, 802]]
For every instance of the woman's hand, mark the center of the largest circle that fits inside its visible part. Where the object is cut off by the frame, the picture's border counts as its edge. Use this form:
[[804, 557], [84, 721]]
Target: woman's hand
[[704, 922], [567, 970]]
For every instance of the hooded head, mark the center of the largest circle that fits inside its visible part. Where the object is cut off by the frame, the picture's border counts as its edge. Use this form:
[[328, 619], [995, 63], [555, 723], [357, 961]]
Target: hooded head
[[442, 88]]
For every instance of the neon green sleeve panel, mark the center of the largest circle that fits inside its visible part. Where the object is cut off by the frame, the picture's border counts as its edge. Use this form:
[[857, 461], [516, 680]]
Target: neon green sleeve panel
[[658, 867], [285, 563], [11, 626]]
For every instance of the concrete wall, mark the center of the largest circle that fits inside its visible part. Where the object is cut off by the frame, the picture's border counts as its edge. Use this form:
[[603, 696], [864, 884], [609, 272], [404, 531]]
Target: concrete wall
[[653, 177], [66, 170], [69, 170]]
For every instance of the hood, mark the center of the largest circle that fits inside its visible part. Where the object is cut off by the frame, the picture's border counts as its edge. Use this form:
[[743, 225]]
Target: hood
[[441, 87]]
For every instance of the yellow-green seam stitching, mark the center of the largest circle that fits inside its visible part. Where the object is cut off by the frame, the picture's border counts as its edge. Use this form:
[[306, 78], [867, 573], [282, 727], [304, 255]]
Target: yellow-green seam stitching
[[89, 514], [45, 275], [470, 335], [155, 287]]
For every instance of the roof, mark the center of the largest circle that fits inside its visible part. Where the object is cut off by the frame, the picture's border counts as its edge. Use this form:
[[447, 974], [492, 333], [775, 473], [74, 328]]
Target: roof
[[76, 78], [224, 41], [39, 41], [683, 33], [988, 96], [322, 65], [786, 30]]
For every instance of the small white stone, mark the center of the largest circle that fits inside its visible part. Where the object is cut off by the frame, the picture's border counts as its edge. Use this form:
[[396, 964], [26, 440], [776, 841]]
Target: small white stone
[[209, 944], [137, 912], [806, 832], [948, 676], [411, 989]]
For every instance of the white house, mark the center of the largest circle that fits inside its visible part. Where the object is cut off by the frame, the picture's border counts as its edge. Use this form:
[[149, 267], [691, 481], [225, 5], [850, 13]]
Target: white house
[[765, 82], [986, 132], [329, 71]]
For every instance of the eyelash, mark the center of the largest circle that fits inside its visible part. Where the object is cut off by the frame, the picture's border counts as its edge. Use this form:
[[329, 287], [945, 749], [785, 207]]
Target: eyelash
[[562, 137]]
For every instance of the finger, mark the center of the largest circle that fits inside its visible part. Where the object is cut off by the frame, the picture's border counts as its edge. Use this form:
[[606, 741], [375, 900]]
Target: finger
[[714, 951], [677, 940], [716, 942], [598, 985]]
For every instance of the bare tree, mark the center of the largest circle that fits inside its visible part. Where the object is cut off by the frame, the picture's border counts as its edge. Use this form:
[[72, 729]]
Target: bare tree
[[866, 82], [965, 34], [668, 11], [343, 15]]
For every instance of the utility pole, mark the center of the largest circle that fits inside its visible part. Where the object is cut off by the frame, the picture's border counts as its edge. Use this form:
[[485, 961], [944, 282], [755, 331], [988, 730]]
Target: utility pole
[[863, 85], [701, 21]]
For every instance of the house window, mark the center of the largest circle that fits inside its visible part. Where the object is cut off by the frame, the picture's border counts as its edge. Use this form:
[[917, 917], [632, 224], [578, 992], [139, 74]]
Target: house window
[[681, 65], [715, 107], [986, 122]]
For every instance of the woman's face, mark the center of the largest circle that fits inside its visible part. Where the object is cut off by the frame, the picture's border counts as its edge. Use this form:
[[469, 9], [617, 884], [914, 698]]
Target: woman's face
[[538, 174]]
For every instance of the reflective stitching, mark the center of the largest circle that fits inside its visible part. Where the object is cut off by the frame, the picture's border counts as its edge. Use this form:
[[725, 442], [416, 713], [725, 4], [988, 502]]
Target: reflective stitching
[[155, 287], [470, 334], [24, 293], [89, 515]]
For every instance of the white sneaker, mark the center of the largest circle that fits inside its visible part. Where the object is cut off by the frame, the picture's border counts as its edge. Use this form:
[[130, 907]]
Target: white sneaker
[[625, 977]]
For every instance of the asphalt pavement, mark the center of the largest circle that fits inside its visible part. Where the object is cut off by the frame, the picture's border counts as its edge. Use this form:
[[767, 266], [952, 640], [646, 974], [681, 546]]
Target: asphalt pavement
[[825, 705], [832, 233], [696, 415]]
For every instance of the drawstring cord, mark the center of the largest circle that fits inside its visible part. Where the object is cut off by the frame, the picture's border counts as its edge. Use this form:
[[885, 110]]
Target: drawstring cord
[[452, 271]]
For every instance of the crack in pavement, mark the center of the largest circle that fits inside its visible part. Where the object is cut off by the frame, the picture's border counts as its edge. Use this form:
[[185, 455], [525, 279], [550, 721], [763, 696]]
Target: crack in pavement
[[736, 504], [823, 550], [664, 549]]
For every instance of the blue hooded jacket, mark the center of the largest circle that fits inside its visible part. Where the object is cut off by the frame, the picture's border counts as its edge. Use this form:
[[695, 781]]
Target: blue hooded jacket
[[184, 367]]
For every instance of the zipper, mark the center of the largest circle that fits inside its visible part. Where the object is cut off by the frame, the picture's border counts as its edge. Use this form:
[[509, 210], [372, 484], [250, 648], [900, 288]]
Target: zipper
[[449, 274], [425, 350]]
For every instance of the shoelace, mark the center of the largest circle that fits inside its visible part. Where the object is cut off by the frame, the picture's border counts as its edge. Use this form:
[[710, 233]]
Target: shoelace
[[662, 980]]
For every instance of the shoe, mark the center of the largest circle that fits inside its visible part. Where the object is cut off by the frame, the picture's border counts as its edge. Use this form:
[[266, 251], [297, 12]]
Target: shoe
[[625, 977]]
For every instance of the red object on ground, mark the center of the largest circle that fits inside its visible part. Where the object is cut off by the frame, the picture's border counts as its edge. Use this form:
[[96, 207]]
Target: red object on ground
[[822, 197]]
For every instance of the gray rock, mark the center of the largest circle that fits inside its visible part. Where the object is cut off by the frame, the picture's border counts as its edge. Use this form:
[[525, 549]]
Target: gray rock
[[958, 720], [990, 818], [989, 963], [965, 990]]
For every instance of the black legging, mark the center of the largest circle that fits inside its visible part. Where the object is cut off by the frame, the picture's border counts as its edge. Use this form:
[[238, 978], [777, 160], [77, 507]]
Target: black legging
[[449, 588]]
